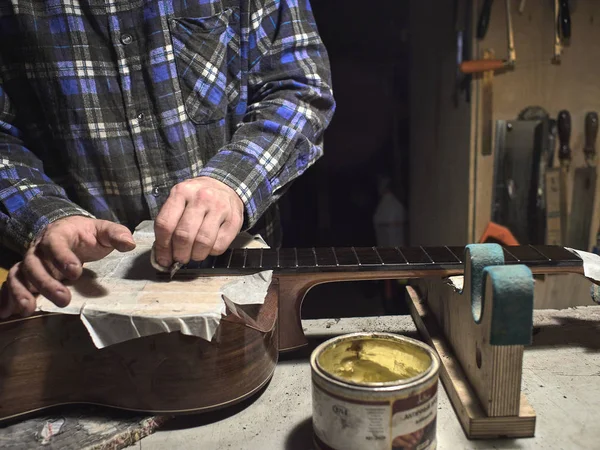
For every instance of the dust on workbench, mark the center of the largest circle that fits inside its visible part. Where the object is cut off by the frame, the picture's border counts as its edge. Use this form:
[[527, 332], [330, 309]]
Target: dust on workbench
[[82, 429]]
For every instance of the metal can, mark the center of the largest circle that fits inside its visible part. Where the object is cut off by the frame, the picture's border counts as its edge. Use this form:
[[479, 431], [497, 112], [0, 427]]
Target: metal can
[[375, 391]]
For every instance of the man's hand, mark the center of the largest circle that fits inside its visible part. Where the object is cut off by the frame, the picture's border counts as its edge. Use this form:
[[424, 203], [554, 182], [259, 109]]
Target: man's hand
[[59, 254], [201, 217]]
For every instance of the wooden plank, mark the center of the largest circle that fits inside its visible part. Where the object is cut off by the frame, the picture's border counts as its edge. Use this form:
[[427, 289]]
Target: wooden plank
[[475, 422], [559, 291]]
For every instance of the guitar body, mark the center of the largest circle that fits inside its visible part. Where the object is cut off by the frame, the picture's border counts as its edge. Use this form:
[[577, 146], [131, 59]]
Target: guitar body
[[49, 359]]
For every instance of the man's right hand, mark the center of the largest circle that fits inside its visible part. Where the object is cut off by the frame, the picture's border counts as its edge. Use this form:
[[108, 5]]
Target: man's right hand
[[58, 254]]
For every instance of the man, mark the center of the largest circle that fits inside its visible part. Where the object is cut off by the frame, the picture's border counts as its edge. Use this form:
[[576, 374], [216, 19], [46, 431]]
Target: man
[[195, 113]]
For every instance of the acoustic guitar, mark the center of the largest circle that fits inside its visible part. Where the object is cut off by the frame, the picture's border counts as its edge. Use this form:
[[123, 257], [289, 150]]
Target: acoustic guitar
[[49, 359]]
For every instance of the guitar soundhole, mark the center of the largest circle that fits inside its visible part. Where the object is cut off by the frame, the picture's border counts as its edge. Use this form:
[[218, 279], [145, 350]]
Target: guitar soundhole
[[172, 379]]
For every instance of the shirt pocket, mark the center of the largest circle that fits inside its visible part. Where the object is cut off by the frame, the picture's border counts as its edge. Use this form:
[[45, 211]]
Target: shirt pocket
[[208, 63]]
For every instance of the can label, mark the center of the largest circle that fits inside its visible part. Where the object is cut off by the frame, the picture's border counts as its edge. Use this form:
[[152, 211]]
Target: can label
[[396, 424], [414, 421]]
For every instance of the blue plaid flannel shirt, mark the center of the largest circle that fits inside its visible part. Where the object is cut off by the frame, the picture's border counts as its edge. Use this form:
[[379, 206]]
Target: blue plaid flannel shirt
[[107, 104]]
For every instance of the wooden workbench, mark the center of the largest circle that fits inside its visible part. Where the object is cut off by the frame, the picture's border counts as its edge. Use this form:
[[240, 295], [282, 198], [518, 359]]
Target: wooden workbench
[[560, 379], [561, 373]]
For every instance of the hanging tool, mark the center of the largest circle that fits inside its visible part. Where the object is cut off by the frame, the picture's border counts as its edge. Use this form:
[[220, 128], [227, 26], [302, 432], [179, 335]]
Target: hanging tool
[[487, 107], [461, 21], [484, 18], [557, 40], [562, 27], [552, 194], [564, 155], [584, 190], [596, 248], [565, 20], [545, 134], [482, 65], [591, 134]]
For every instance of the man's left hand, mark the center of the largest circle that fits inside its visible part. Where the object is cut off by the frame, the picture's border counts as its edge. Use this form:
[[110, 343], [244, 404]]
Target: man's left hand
[[201, 217]]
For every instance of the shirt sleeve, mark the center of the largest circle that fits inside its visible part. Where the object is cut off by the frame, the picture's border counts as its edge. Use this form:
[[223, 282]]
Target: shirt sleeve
[[290, 104], [29, 199]]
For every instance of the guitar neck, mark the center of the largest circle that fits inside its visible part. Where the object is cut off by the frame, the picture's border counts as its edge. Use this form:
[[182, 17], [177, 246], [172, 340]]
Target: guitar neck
[[541, 258]]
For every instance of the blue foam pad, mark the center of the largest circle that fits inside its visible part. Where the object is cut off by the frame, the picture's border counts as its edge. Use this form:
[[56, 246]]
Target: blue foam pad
[[481, 256], [512, 314]]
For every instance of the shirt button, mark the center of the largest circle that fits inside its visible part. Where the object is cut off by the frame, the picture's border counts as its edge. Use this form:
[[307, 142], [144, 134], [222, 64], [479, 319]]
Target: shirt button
[[126, 39], [156, 191], [141, 116]]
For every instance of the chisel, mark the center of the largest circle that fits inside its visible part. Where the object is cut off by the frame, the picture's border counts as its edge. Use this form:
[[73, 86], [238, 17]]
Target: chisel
[[584, 189]]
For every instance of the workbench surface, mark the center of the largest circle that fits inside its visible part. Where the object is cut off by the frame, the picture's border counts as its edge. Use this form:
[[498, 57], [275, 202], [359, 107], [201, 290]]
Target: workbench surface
[[561, 380]]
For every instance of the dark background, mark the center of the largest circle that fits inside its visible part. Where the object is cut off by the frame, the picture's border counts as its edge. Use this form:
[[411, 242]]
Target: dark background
[[333, 203]]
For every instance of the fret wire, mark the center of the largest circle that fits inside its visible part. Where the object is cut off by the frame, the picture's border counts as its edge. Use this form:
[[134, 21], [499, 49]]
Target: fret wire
[[245, 256], [357, 258], [277, 258], [555, 253], [538, 252], [315, 255], [296, 255], [229, 261], [402, 254], [452, 253], [261, 258], [427, 254], [507, 251], [214, 262], [378, 255], [337, 263]]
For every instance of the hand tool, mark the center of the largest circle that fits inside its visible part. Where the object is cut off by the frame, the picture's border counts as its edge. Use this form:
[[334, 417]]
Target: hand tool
[[462, 29], [482, 65], [484, 18], [519, 147], [584, 189], [564, 155], [546, 132], [596, 248], [487, 107], [591, 134], [565, 19], [557, 40], [552, 190]]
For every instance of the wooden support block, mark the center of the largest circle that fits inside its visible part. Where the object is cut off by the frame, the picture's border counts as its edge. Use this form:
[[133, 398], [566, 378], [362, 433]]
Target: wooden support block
[[480, 329], [476, 424]]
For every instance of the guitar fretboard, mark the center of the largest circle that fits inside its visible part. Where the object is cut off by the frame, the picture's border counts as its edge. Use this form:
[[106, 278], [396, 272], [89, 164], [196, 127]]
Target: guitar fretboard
[[348, 259]]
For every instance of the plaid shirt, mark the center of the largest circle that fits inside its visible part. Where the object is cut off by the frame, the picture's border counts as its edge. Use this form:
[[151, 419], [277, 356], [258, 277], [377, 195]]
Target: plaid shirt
[[107, 104]]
